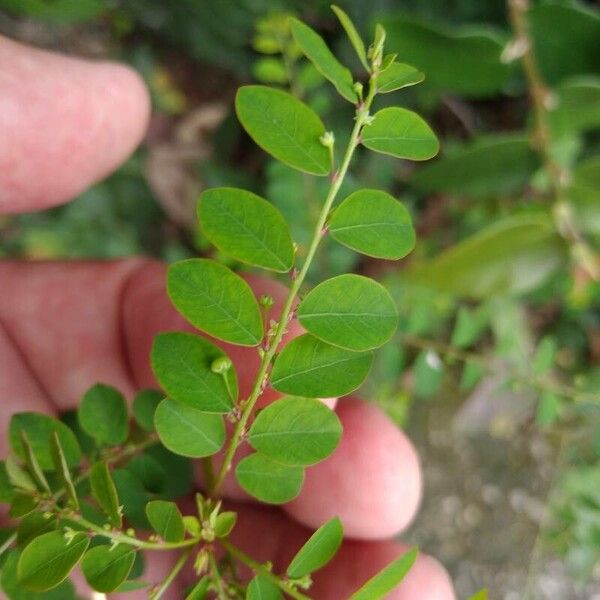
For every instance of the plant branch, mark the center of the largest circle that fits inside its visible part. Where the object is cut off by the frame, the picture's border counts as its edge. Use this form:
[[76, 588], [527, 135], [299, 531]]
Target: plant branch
[[216, 576], [319, 231], [540, 96], [260, 569], [172, 574]]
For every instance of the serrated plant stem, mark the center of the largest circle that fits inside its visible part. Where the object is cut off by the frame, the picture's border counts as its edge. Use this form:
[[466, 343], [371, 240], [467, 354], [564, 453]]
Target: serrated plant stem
[[260, 569], [168, 580], [318, 233], [582, 254]]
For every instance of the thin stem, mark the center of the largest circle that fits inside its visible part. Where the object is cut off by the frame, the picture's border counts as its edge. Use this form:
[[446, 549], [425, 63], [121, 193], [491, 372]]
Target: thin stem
[[208, 471], [172, 574], [319, 231], [8, 543], [216, 576], [540, 99], [260, 569], [130, 540]]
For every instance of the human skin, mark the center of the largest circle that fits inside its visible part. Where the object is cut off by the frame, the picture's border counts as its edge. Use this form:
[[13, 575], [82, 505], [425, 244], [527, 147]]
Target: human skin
[[65, 124]]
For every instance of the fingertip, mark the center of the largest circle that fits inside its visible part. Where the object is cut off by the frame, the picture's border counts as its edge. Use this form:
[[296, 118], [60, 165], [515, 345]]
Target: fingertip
[[372, 481], [65, 124]]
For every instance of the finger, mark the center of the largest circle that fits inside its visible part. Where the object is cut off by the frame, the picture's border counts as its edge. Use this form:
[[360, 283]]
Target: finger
[[354, 564], [372, 481], [80, 323], [65, 123]]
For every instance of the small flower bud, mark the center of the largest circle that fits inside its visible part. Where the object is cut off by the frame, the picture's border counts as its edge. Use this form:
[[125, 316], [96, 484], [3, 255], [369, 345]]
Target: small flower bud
[[327, 139], [220, 365], [266, 301]]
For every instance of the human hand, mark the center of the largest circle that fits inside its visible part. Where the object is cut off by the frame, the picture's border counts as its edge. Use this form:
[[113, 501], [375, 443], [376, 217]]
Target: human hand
[[64, 124]]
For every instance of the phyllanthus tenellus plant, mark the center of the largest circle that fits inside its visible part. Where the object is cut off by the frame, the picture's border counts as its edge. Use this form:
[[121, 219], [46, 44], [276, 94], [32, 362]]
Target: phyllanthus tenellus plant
[[82, 488]]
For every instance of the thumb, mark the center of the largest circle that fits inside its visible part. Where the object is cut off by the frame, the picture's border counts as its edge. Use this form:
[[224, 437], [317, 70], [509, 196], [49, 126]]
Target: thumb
[[65, 123]]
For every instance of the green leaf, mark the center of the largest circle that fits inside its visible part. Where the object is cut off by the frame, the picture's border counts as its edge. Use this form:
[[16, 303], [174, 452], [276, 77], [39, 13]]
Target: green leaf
[[488, 167], [105, 492], [182, 364], [17, 476], [373, 223], [480, 595], [200, 590], [315, 48], [270, 70], [398, 76], [32, 463], [318, 550], [39, 428], [215, 300], [107, 567], [350, 311], [247, 228], [22, 504], [224, 523], [284, 127], [464, 60], [47, 560], [353, 36], [584, 193], [545, 355], [62, 470], [103, 415], [309, 367], [133, 497], [549, 409], [470, 325], [268, 480], [149, 471], [513, 256], [187, 431], [296, 431], [6, 487], [386, 580], [262, 588], [166, 520], [34, 525], [577, 107], [471, 374], [401, 133], [428, 373], [144, 407]]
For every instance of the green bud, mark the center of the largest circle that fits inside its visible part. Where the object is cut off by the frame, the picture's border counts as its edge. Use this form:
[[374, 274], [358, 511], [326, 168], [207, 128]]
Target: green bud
[[220, 365], [266, 301], [327, 139]]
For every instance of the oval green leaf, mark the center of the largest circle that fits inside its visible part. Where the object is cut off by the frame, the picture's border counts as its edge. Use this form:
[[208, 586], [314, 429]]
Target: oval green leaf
[[166, 520], [401, 133], [373, 223], [312, 368], [350, 311], [62, 470], [49, 558], [398, 76], [144, 407], [103, 415], [104, 492], [247, 228], [268, 480], [316, 50], [182, 364], [262, 588], [38, 429], [353, 36], [296, 431], [284, 127], [387, 579], [187, 431], [107, 567], [318, 550], [215, 300]]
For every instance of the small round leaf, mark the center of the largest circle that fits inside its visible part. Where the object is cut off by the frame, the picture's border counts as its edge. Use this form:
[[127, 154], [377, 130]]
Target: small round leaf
[[401, 133], [166, 520], [262, 588], [144, 406], [373, 223], [284, 127], [350, 311], [215, 300], [398, 76], [268, 480], [187, 431], [48, 559], [247, 228], [312, 368], [103, 415], [182, 364], [106, 567], [38, 429], [296, 431]]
